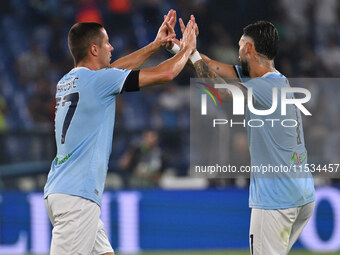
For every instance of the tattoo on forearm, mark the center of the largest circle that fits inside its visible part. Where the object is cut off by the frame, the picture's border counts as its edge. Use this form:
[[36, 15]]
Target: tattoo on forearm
[[210, 77], [202, 70], [206, 73]]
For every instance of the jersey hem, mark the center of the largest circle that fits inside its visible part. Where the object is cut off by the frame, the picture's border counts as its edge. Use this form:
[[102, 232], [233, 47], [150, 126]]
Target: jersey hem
[[287, 206], [74, 194]]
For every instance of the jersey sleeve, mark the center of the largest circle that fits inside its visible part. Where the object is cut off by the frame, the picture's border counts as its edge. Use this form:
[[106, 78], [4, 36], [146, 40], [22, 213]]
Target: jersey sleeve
[[110, 81]]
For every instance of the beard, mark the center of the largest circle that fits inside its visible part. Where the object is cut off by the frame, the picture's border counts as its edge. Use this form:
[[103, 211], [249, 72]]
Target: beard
[[245, 68]]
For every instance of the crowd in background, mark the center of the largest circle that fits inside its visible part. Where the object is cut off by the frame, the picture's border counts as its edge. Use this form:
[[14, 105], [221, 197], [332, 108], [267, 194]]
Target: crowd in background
[[152, 127]]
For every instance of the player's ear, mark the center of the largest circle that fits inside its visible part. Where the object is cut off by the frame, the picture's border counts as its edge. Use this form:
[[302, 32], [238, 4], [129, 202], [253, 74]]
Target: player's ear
[[94, 50], [249, 47]]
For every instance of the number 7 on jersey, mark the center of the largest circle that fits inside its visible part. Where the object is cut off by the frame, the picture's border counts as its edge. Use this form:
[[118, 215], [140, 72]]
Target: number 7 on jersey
[[73, 98]]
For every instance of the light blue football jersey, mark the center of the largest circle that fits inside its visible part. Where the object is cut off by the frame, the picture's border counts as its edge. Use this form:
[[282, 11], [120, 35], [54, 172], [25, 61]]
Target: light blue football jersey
[[84, 122], [276, 145]]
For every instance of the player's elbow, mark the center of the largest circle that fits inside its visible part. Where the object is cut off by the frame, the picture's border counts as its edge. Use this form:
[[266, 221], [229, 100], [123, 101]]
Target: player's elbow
[[167, 76]]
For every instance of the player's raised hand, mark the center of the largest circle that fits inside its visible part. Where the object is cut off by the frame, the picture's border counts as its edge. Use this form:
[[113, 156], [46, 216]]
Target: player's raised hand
[[193, 23], [171, 18], [192, 18], [166, 32], [181, 24], [189, 38]]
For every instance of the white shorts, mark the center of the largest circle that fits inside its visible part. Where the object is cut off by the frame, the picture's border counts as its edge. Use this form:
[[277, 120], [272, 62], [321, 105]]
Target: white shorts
[[273, 232], [77, 228]]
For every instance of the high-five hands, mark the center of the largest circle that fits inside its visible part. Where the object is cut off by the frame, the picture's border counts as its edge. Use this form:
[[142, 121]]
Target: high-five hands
[[166, 31], [175, 45], [188, 39], [192, 18]]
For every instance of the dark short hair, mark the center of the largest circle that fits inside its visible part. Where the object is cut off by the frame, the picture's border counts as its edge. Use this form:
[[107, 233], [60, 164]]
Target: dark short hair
[[265, 36], [81, 36]]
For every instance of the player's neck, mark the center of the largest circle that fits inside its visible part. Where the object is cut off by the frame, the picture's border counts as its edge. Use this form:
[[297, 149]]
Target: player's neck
[[260, 68], [89, 64]]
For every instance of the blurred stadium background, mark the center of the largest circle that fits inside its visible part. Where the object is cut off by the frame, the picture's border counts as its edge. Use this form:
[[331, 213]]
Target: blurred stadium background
[[150, 203]]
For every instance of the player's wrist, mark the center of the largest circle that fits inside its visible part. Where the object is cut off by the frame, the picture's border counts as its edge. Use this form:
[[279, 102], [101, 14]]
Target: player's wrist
[[156, 44], [194, 57], [174, 49]]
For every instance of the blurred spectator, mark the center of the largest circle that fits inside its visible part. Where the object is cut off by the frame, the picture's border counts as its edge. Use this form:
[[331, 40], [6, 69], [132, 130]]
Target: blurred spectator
[[330, 57], [167, 112], [41, 105], [296, 22], [33, 65], [223, 49], [326, 18], [142, 162], [317, 133], [307, 60]]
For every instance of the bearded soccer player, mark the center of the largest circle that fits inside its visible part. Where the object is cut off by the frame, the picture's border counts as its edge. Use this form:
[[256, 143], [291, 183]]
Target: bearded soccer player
[[281, 203], [85, 114]]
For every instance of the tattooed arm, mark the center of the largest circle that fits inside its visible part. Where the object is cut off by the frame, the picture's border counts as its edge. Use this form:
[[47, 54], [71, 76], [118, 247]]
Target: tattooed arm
[[209, 76], [206, 73], [221, 69], [211, 71]]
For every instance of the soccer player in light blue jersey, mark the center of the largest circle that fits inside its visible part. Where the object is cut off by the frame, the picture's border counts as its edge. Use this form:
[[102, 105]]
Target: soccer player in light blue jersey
[[281, 202], [84, 122]]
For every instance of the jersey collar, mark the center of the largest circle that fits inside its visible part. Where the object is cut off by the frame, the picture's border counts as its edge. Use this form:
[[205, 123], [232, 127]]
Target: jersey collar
[[78, 68], [269, 73]]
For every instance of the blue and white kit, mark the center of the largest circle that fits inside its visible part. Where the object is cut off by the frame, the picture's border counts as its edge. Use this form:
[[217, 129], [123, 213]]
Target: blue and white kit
[[276, 146], [84, 122]]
